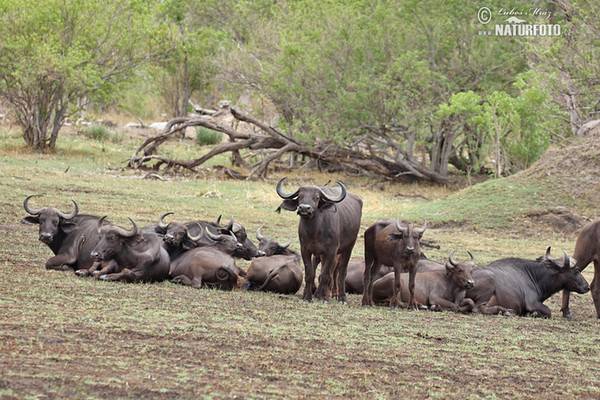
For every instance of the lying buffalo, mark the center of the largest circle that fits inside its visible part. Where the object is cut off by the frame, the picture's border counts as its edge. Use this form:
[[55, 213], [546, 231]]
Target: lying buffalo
[[438, 289], [71, 237], [328, 228], [277, 270], [177, 238], [247, 250], [128, 255], [389, 242], [519, 286], [209, 265]]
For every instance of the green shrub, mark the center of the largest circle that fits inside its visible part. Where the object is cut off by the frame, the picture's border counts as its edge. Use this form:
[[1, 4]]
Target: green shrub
[[206, 136], [98, 132]]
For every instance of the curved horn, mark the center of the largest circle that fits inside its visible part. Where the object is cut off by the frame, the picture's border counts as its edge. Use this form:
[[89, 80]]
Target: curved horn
[[341, 197], [100, 222], [472, 258], [567, 261], [281, 193], [422, 230], [195, 238], [72, 215], [258, 234], [287, 244], [548, 253], [219, 220], [451, 259], [400, 228], [127, 233], [160, 220], [230, 224], [212, 235], [29, 210]]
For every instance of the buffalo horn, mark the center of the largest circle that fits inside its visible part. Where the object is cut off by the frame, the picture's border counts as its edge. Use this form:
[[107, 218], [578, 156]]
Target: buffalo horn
[[548, 253], [196, 238], [259, 236], [160, 220], [212, 235], [400, 228], [422, 230], [72, 215], [127, 233], [341, 197], [230, 224], [29, 210], [100, 222], [472, 258], [567, 262], [451, 259], [281, 193], [287, 244]]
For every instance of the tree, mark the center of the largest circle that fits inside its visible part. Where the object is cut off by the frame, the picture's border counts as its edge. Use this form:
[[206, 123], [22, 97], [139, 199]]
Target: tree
[[191, 65], [53, 52]]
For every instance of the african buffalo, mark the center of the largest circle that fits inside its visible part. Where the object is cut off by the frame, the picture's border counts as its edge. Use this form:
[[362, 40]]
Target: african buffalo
[[176, 237], [389, 242], [356, 272], [328, 227], [129, 255], [71, 237], [519, 286], [277, 269], [248, 249], [587, 249], [441, 289]]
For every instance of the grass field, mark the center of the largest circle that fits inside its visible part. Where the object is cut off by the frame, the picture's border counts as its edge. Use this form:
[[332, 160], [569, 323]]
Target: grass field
[[62, 336]]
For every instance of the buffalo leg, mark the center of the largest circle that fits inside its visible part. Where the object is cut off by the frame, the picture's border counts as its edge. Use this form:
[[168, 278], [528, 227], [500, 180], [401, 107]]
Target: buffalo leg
[[184, 280], [412, 271], [370, 273], [595, 287], [328, 263], [565, 304], [309, 276], [342, 271], [395, 300], [62, 262]]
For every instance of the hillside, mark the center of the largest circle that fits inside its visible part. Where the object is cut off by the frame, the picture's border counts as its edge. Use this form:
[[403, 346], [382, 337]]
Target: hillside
[[558, 194]]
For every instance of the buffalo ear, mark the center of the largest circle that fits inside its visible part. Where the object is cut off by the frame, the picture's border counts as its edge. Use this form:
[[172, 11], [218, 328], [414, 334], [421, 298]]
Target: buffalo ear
[[289, 204], [67, 226], [188, 244], [159, 230], [31, 220]]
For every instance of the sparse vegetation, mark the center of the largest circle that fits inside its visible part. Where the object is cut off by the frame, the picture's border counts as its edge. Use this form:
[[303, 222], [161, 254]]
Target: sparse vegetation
[[205, 136]]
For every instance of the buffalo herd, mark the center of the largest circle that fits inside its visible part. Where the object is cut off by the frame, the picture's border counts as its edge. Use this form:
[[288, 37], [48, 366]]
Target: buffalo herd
[[394, 270]]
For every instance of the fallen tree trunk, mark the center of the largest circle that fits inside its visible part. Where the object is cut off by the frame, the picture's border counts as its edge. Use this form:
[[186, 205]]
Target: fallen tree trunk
[[327, 152]]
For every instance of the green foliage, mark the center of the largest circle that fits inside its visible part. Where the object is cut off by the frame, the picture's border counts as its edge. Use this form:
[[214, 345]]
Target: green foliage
[[98, 132], [205, 136]]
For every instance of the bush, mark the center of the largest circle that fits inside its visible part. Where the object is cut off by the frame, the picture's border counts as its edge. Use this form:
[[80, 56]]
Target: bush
[[98, 132], [206, 136]]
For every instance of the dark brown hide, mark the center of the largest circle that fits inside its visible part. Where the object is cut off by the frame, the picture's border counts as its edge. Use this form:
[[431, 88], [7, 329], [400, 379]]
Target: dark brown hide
[[389, 242], [206, 267], [328, 227], [587, 249]]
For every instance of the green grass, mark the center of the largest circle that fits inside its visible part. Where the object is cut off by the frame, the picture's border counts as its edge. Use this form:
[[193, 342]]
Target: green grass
[[67, 337]]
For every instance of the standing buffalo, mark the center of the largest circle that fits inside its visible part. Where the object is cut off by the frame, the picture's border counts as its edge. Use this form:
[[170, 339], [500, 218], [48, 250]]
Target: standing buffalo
[[392, 244], [71, 237], [587, 249], [515, 285], [129, 255], [329, 224], [438, 289], [277, 269]]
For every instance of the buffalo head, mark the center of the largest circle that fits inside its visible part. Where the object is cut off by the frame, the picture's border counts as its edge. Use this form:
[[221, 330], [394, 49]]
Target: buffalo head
[[562, 269], [175, 233], [409, 235], [227, 243], [112, 238], [268, 246], [307, 199], [461, 272], [51, 220], [248, 249]]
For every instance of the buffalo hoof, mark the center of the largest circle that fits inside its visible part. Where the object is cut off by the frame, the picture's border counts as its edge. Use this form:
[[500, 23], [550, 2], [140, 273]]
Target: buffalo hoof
[[82, 272], [103, 277], [432, 307], [568, 316]]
